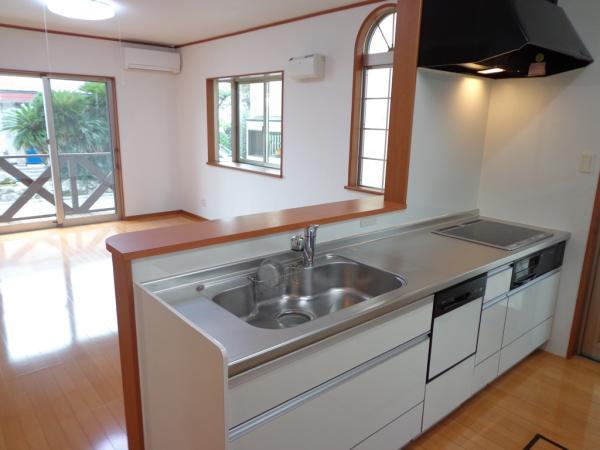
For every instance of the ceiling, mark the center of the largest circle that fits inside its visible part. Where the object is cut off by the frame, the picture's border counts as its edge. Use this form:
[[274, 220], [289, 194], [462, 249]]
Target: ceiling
[[172, 22]]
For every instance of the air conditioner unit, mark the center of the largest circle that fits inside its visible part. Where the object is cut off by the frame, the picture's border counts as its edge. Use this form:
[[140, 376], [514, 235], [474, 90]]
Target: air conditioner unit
[[309, 67], [151, 58]]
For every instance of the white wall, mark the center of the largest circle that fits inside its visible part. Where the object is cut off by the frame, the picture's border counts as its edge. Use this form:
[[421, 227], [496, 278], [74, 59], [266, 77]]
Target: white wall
[[449, 127], [145, 104], [536, 132]]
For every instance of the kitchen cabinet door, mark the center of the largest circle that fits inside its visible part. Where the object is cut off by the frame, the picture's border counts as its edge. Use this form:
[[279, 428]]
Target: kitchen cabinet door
[[491, 329], [355, 407], [448, 391], [522, 347], [530, 306]]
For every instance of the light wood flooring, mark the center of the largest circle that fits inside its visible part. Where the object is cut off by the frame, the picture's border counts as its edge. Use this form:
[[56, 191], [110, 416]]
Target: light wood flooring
[[60, 381], [60, 384], [544, 394]]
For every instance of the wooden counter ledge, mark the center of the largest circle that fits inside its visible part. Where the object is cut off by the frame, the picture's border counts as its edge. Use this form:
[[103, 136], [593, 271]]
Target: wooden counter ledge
[[153, 242]]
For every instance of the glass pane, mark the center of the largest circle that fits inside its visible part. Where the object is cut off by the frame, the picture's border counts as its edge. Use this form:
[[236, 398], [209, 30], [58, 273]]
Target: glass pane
[[224, 120], [387, 27], [374, 144], [251, 106], [24, 159], [377, 43], [378, 82], [84, 141], [275, 90], [376, 114], [371, 173], [383, 35]]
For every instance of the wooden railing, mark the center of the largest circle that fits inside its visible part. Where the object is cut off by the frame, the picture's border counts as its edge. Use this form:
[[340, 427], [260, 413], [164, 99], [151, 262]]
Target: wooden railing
[[89, 176]]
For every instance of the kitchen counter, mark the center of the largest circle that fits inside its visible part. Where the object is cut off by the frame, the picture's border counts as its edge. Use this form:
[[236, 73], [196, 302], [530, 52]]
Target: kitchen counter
[[427, 261]]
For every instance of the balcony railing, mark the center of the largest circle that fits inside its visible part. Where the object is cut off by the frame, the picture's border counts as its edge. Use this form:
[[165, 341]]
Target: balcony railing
[[27, 190]]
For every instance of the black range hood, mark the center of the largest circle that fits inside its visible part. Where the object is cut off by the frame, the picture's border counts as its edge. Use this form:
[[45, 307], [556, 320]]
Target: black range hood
[[500, 38]]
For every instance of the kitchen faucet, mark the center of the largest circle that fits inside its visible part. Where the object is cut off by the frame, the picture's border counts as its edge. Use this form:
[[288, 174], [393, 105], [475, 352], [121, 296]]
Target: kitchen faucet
[[306, 244]]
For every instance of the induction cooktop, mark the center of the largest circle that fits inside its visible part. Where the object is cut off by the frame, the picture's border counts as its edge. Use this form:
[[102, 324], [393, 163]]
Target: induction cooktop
[[494, 234]]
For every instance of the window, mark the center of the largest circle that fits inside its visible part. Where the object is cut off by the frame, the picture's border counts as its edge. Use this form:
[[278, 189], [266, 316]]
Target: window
[[246, 122], [371, 106]]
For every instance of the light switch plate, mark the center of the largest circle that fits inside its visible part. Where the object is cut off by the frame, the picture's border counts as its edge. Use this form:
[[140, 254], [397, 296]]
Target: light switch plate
[[586, 163]]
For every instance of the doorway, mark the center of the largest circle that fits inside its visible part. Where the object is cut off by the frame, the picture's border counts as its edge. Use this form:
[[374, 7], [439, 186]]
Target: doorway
[[58, 151], [590, 338]]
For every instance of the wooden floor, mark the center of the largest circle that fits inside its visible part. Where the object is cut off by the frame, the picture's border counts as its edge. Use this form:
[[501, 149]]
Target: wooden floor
[[545, 394], [60, 385], [59, 366]]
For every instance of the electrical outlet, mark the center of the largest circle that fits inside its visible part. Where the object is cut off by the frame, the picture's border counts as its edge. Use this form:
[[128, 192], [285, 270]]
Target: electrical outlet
[[586, 163], [368, 221], [203, 202]]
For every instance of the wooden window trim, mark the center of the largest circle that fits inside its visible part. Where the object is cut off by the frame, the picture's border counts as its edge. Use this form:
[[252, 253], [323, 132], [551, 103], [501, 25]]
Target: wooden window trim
[[357, 97], [259, 170], [212, 114], [404, 79]]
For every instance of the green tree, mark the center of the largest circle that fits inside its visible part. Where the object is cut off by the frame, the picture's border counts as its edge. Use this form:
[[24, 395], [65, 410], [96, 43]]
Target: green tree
[[80, 121], [28, 126]]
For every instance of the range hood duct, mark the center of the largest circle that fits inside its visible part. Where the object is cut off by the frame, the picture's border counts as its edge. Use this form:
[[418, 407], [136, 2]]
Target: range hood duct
[[500, 38]]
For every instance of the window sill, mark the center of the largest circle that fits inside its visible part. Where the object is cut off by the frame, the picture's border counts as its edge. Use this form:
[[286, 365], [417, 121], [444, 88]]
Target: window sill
[[275, 173], [364, 189]]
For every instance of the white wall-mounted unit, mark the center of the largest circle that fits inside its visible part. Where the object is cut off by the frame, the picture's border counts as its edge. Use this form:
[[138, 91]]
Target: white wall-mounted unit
[[151, 58], [309, 67]]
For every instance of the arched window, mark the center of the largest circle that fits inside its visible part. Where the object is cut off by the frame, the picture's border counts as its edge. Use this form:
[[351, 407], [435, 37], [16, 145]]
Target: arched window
[[374, 55]]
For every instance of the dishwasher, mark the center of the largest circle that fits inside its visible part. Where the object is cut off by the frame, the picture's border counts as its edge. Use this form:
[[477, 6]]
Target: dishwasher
[[456, 315]]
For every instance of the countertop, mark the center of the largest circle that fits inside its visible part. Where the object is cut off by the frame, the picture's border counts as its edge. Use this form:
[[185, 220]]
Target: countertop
[[429, 263]]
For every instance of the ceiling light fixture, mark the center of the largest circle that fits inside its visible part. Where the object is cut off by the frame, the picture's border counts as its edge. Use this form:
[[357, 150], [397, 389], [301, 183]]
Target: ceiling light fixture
[[82, 9], [491, 71]]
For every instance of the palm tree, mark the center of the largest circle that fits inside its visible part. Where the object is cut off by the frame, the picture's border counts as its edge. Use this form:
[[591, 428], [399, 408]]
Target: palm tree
[[79, 120], [28, 126]]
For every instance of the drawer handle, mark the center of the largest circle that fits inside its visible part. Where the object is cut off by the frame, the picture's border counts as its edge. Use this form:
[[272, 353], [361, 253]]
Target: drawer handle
[[260, 420], [494, 302]]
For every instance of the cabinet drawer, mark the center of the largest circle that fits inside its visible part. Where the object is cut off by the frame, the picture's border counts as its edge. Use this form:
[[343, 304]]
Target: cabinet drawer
[[337, 417], [519, 349], [485, 372], [397, 434], [530, 306], [447, 392], [491, 329], [498, 284], [265, 387]]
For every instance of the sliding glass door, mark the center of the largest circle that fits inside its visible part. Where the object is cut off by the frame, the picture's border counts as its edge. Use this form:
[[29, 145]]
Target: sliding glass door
[[57, 143]]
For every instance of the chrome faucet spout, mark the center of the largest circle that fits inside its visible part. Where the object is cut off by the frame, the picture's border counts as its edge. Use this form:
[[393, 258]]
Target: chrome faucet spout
[[306, 244]]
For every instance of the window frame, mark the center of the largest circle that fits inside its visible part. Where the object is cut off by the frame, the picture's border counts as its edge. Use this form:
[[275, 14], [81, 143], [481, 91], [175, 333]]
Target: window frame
[[237, 162], [363, 61]]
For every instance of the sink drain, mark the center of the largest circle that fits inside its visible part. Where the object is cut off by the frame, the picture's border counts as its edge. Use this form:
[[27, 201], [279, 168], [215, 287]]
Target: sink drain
[[293, 318]]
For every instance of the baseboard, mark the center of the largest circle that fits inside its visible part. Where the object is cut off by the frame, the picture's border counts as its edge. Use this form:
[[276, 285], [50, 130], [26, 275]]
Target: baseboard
[[163, 214]]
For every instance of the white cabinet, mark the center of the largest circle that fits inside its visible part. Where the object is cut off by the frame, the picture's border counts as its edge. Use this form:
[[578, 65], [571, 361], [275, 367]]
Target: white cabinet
[[498, 283], [530, 306], [344, 411], [493, 316], [520, 348], [396, 434], [258, 390], [447, 392], [485, 372]]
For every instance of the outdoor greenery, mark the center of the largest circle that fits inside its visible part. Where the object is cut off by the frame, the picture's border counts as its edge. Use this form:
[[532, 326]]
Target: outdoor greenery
[[224, 121], [79, 118]]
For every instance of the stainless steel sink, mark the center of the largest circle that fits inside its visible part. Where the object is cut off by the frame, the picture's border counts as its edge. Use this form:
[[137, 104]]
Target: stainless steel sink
[[332, 284]]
